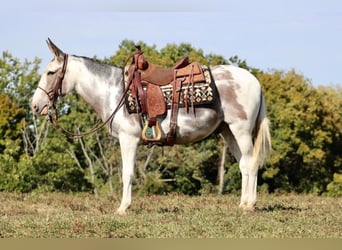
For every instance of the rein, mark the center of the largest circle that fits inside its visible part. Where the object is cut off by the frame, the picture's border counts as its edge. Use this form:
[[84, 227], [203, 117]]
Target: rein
[[57, 92], [97, 126]]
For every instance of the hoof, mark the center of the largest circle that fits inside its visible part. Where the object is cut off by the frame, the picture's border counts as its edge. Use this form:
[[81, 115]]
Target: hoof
[[247, 208], [243, 205], [120, 212]]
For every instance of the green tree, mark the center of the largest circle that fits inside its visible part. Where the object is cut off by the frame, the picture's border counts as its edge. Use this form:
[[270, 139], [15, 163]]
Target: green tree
[[11, 120], [19, 79], [304, 159], [32, 155]]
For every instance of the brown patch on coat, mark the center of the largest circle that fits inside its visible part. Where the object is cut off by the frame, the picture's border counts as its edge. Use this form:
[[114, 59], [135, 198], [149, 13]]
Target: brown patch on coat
[[228, 93], [222, 74]]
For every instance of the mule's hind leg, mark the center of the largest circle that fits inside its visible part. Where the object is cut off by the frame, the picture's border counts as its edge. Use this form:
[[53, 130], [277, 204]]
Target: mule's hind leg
[[249, 173], [247, 164]]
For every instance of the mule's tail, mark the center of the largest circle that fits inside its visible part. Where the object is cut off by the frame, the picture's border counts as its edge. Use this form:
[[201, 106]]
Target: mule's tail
[[262, 140]]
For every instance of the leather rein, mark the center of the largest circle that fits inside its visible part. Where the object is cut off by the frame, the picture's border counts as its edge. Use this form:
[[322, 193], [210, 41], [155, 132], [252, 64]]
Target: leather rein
[[56, 92]]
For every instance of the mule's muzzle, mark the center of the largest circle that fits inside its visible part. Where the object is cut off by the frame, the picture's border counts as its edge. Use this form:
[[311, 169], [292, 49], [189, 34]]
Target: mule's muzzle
[[40, 110]]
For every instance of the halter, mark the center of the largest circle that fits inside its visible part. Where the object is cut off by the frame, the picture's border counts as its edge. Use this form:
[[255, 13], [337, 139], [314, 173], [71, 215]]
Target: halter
[[56, 92]]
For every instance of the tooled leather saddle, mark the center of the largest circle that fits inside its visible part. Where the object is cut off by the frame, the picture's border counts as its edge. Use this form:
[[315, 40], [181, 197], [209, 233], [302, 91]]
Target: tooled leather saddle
[[146, 82]]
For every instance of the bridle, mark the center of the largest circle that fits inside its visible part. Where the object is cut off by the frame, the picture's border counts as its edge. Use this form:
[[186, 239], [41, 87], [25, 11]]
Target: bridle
[[56, 92]]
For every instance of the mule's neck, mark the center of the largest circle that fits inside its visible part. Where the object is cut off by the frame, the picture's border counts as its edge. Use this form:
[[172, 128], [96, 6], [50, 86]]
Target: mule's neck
[[100, 85]]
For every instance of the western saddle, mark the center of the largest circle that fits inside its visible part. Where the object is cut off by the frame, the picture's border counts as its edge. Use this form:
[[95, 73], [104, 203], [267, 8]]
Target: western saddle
[[145, 80]]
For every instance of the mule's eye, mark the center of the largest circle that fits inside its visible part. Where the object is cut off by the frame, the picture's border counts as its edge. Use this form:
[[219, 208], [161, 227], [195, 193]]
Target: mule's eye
[[50, 73]]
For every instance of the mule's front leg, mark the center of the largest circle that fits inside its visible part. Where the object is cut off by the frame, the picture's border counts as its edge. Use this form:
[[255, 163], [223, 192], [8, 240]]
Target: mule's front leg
[[128, 146]]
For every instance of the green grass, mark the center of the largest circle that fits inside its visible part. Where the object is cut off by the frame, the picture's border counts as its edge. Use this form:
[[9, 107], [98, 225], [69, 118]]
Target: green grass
[[171, 216]]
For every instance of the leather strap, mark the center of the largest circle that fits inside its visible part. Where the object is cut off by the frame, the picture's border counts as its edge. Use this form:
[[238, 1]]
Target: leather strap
[[57, 91], [137, 86], [141, 93], [176, 86], [192, 82]]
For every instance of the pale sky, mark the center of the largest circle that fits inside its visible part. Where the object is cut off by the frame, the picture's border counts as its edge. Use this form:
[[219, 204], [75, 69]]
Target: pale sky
[[302, 34]]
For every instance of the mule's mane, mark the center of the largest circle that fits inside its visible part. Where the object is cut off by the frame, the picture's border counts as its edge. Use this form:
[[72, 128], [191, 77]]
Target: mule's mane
[[97, 66]]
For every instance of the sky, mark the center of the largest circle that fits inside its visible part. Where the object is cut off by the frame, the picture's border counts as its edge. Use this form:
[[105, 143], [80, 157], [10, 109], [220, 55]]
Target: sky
[[305, 35]]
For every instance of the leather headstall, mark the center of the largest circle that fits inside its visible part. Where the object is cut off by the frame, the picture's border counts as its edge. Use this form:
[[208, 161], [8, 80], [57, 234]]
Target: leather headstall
[[54, 93]]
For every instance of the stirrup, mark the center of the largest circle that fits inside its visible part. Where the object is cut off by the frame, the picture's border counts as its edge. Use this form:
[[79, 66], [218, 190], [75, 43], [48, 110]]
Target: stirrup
[[145, 132]]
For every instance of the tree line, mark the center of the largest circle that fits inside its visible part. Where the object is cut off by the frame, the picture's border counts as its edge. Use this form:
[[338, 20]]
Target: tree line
[[306, 129]]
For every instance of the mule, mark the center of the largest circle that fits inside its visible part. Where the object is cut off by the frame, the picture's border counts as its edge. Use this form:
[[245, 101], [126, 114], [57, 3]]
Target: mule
[[239, 114]]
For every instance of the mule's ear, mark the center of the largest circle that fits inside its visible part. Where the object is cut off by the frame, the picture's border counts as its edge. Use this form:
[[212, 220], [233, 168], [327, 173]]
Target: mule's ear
[[58, 53]]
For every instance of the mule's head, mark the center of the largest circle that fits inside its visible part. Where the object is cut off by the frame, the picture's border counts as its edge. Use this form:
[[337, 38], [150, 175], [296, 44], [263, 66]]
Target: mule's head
[[52, 82]]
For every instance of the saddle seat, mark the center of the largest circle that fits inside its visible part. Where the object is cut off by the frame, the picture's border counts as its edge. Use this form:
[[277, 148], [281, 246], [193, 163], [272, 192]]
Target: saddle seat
[[161, 76], [156, 75]]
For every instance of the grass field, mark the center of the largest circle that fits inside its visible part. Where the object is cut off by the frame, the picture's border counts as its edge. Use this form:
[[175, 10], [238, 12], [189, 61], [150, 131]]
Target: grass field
[[171, 216]]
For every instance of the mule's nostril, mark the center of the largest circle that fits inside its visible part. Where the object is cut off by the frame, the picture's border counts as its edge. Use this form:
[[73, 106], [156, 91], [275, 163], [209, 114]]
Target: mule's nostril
[[35, 107]]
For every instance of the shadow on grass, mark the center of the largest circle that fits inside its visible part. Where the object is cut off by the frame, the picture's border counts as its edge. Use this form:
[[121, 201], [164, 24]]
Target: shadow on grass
[[279, 207]]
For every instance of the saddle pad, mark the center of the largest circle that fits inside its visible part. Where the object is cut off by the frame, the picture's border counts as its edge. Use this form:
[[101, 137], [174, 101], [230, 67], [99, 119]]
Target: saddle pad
[[203, 94]]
